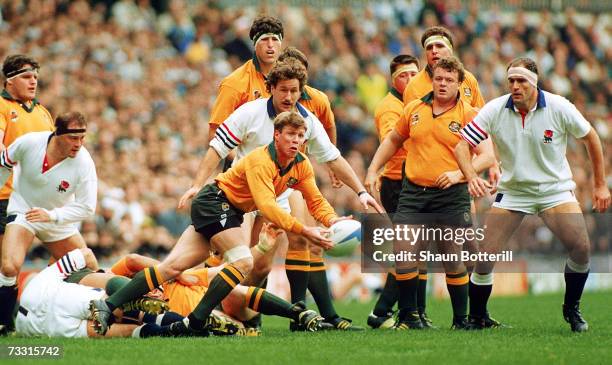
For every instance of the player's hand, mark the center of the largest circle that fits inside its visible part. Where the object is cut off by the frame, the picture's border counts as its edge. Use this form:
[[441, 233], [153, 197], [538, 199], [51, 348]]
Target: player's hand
[[38, 215], [601, 198], [449, 178], [366, 200], [338, 219], [335, 182], [478, 187], [494, 177], [267, 236], [318, 236], [189, 194], [370, 182]]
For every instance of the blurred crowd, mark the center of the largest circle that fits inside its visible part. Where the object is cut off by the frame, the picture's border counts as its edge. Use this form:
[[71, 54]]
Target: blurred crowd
[[145, 73]]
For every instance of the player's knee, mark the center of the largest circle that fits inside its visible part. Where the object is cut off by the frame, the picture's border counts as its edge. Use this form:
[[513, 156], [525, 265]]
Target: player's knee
[[315, 251], [240, 257], [297, 242], [9, 268], [262, 267]]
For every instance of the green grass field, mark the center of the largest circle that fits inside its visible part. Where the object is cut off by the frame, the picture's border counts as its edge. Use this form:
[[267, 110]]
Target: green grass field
[[539, 336]]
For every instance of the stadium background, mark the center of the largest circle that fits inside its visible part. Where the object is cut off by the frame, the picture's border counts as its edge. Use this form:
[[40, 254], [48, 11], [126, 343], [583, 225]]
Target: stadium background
[[146, 73]]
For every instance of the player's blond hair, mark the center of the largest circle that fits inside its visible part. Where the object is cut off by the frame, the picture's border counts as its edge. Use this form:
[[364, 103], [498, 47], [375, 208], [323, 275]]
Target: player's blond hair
[[292, 119]]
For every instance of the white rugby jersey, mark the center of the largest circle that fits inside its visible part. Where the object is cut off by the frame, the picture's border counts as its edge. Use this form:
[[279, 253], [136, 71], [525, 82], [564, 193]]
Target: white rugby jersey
[[531, 147], [68, 190], [252, 125]]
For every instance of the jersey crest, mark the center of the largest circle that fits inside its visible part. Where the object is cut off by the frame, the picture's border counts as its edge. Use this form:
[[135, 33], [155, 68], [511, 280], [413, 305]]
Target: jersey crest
[[63, 186]]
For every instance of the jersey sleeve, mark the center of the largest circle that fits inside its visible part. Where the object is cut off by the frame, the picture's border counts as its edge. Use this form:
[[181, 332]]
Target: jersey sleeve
[[228, 100], [260, 178], [325, 115], [575, 123], [86, 195], [69, 263], [317, 205], [402, 127], [14, 153], [388, 120], [319, 145], [230, 133], [478, 129]]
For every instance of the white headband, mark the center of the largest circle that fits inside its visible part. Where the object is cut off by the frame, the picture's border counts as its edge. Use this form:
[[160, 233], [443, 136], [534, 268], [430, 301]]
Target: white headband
[[258, 37], [520, 71], [440, 39], [404, 68]]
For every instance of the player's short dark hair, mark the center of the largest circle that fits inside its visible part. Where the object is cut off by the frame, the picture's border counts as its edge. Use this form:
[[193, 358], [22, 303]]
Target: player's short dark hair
[[450, 64], [292, 119], [63, 120], [295, 53], [403, 59], [437, 30], [289, 69], [265, 24], [526, 62], [16, 62]]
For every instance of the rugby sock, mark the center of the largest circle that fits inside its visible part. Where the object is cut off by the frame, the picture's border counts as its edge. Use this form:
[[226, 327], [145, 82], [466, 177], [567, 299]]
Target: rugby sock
[[115, 284], [297, 267], [388, 297], [319, 288], [8, 299], [150, 330], [408, 284], [575, 277], [219, 288], [457, 285], [264, 302], [480, 288], [142, 283], [422, 291]]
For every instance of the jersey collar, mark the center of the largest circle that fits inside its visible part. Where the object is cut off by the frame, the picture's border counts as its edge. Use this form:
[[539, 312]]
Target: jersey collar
[[396, 93], [304, 95], [5, 94], [540, 104], [272, 112], [272, 151]]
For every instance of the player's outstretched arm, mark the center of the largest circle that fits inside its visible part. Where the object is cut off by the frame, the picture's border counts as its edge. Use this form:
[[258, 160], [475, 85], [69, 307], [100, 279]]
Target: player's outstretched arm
[[392, 142], [601, 193]]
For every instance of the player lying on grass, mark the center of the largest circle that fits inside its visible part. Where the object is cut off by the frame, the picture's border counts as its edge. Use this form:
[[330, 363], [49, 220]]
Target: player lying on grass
[[243, 303], [217, 213], [55, 303]]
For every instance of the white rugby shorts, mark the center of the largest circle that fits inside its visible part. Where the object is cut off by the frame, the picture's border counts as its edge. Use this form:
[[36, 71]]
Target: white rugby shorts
[[532, 204], [47, 231]]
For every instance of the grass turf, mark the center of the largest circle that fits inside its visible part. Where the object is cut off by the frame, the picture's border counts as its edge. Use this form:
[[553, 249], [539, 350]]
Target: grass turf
[[539, 335]]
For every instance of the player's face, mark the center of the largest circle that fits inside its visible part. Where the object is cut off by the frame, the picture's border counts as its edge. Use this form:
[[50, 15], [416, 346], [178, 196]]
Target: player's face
[[400, 82], [288, 141], [267, 49], [435, 51], [23, 87], [523, 93], [445, 84], [285, 95], [70, 144]]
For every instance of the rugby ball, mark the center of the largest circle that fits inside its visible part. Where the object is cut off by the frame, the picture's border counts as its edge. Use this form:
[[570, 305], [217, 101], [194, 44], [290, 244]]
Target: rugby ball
[[346, 236]]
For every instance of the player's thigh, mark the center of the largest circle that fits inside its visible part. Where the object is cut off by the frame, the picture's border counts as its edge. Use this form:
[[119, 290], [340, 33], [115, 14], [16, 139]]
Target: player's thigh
[[16, 243], [227, 239], [190, 250], [499, 225], [567, 223], [97, 279], [62, 247]]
